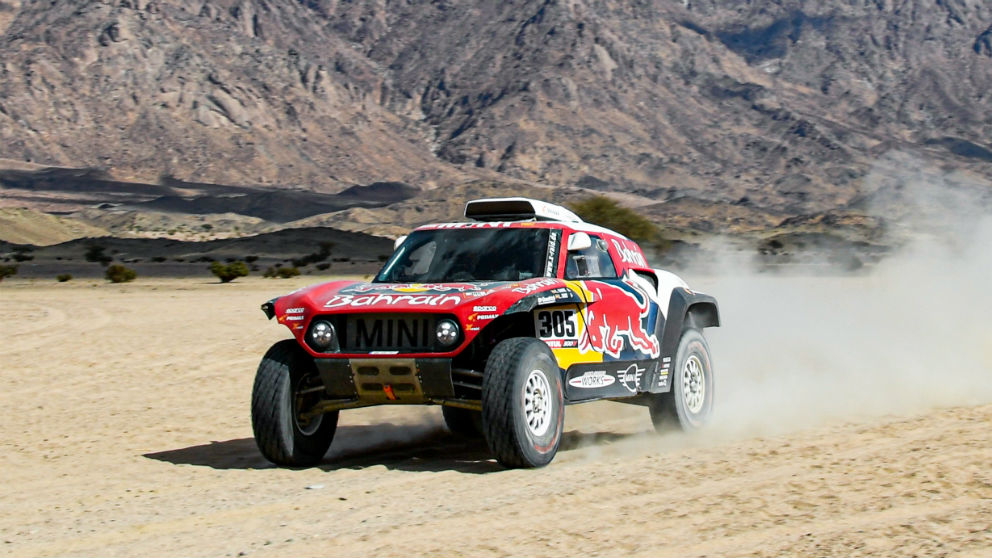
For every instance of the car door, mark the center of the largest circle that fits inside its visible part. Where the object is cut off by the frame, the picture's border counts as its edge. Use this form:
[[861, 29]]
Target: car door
[[619, 318]]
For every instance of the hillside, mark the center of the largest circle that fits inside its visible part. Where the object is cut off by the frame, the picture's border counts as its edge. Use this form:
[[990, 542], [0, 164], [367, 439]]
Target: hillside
[[780, 107]]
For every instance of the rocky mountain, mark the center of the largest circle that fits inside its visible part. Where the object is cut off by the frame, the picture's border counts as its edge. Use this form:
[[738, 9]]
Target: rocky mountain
[[765, 109]]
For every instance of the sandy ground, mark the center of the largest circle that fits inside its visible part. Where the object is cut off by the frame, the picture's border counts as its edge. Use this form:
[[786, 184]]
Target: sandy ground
[[126, 432]]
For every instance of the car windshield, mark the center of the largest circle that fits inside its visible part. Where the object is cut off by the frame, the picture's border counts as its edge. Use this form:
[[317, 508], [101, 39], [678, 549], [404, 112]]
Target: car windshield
[[469, 254]]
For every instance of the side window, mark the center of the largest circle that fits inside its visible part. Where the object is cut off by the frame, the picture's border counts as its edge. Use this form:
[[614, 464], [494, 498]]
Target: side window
[[592, 263]]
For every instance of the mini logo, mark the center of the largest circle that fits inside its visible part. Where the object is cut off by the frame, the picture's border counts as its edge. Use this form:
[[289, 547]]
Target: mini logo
[[295, 310], [592, 379], [483, 308], [631, 377]]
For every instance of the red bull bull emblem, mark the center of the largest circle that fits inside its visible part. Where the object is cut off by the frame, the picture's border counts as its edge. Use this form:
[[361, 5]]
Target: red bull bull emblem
[[619, 321]]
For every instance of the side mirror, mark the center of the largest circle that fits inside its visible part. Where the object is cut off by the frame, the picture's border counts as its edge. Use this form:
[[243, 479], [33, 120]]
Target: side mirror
[[396, 244], [579, 241]]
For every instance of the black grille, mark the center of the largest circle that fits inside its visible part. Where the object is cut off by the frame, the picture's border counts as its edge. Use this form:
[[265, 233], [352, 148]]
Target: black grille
[[403, 333]]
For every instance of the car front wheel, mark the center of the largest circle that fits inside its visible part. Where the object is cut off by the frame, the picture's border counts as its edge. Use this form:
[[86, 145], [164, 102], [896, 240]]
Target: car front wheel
[[287, 387], [522, 403]]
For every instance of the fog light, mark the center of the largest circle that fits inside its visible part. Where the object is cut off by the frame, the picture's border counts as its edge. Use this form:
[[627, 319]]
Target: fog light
[[321, 335], [447, 332]]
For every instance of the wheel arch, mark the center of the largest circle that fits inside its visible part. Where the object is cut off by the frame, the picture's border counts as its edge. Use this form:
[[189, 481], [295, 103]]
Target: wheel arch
[[687, 310]]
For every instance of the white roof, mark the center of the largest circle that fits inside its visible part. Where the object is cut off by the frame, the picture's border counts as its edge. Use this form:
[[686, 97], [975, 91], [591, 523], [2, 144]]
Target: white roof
[[504, 209]]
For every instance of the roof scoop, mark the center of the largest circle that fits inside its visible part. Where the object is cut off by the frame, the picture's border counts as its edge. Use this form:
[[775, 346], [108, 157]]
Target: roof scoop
[[517, 209]]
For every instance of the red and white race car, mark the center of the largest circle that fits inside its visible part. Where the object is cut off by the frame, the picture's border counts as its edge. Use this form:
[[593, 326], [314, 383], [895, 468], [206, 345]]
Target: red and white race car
[[504, 321]]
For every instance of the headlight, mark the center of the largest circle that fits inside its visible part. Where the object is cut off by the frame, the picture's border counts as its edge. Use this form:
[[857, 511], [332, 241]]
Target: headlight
[[447, 332], [321, 336]]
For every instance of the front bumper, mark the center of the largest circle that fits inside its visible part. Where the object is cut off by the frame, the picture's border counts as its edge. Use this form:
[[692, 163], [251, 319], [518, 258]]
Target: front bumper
[[383, 381]]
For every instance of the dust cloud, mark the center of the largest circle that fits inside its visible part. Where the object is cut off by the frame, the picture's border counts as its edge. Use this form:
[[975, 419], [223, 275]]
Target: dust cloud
[[909, 335]]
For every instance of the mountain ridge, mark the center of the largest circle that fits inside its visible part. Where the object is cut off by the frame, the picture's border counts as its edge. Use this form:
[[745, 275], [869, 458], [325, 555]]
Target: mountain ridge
[[781, 105]]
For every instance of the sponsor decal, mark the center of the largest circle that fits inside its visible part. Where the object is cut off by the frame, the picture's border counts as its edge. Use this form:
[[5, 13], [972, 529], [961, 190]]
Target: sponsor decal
[[477, 294], [295, 318], [295, 310], [413, 287], [592, 379], [487, 317], [481, 225], [535, 286], [549, 266], [663, 378], [629, 254], [623, 324], [631, 377], [562, 293], [561, 343], [483, 308], [344, 300], [546, 299]]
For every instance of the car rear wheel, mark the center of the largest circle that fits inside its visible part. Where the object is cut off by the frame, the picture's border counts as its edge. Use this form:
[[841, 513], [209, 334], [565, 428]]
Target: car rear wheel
[[689, 404], [464, 422], [522, 403], [287, 387]]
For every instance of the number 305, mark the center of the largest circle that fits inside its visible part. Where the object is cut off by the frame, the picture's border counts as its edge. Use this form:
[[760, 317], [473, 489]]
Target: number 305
[[556, 323]]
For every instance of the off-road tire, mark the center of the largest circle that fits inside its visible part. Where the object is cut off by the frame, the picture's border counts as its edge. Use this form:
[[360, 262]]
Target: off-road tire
[[516, 367], [683, 407], [278, 433], [463, 422]]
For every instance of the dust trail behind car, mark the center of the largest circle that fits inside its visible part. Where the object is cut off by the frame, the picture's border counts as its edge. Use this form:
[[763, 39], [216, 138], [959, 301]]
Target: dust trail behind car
[[909, 335]]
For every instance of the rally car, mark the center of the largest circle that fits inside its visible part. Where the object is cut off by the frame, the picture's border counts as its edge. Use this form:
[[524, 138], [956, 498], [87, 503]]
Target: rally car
[[503, 320]]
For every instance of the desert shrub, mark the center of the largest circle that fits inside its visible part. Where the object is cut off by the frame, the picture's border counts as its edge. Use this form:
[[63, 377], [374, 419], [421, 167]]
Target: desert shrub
[[94, 253], [229, 272], [63, 277], [158, 259], [251, 259], [119, 274], [323, 266], [318, 256], [603, 211], [282, 272], [7, 271]]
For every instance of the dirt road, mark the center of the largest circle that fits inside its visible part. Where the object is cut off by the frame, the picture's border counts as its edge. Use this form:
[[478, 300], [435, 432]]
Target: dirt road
[[126, 432]]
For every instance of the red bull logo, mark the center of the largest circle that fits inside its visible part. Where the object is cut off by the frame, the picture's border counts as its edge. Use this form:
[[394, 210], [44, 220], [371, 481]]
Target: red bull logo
[[618, 320]]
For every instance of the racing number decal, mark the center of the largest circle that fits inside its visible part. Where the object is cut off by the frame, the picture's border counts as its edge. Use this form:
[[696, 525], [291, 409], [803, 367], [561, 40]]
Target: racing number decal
[[559, 328], [556, 324]]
